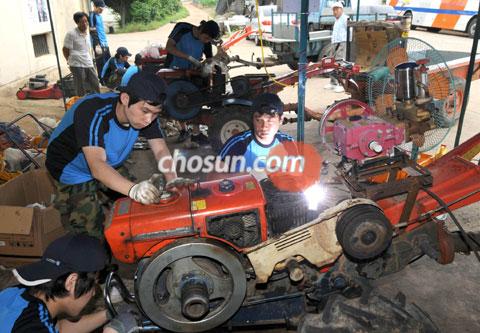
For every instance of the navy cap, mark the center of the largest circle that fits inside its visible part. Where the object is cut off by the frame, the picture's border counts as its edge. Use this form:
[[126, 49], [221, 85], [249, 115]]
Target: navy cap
[[123, 51], [147, 87], [267, 103], [67, 254], [99, 3]]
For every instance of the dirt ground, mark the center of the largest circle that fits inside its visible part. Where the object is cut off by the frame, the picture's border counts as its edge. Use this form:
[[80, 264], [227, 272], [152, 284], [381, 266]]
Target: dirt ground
[[448, 293]]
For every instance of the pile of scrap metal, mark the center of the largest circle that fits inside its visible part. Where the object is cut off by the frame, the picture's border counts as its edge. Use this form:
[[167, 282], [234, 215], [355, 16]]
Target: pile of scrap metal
[[18, 150]]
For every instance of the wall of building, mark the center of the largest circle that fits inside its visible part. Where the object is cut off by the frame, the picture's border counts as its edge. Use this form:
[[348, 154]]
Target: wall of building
[[19, 21]]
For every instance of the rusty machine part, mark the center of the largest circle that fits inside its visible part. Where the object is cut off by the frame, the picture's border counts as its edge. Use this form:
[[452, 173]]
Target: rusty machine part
[[191, 286]]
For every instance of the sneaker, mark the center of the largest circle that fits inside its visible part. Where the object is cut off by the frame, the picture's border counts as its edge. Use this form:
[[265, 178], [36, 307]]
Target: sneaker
[[201, 139], [338, 89], [182, 136], [329, 86]]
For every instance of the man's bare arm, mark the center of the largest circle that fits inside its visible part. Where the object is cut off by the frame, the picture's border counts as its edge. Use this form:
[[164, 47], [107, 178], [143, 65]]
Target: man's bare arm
[[97, 162]]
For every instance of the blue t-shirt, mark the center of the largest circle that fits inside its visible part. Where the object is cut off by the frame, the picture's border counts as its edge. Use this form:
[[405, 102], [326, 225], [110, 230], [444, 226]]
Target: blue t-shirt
[[245, 144], [182, 34], [20, 312], [128, 75], [111, 66], [96, 21], [92, 122]]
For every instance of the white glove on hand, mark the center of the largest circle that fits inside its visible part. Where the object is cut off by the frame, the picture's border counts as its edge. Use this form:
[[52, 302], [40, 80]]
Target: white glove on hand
[[180, 182], [194, 61], [145, 192]]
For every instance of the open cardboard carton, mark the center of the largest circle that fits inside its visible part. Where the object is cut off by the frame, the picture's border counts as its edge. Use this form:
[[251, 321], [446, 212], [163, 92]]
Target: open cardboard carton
[[25, 232]]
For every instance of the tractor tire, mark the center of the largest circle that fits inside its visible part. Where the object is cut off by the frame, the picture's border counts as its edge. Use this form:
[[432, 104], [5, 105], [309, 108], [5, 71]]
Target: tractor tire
[[471, 27], [379, 314], [228, 122], [293, 66]]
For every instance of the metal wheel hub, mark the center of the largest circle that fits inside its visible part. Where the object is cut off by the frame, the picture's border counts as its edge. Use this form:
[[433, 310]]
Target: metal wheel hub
[[191, 287], [231, 128]]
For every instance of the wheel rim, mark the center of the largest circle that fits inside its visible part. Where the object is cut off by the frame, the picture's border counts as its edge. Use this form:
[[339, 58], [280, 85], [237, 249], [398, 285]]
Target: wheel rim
[[232, 127], [185, 277]]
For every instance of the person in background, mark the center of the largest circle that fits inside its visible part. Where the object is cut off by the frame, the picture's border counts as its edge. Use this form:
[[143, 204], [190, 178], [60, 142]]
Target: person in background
[[137, 67], [61, 284], [186, 46], [255, 145], [115, 67], [339, 42], [77, 52], [99, 37]]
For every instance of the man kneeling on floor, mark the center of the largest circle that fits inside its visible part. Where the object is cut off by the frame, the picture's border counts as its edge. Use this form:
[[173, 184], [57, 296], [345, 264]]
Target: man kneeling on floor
[[92, 141], [60, 285]]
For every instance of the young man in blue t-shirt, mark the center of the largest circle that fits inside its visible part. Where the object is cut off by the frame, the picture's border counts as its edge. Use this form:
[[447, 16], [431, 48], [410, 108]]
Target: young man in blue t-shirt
[[94, 138], [60, 285], [98, 35], [186, 46], [256, 145]]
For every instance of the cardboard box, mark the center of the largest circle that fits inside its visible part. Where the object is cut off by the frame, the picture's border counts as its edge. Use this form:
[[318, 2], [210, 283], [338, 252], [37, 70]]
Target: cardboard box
[[26, 231]]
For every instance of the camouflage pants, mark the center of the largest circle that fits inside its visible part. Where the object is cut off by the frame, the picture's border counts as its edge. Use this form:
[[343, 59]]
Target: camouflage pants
[[82, 206]]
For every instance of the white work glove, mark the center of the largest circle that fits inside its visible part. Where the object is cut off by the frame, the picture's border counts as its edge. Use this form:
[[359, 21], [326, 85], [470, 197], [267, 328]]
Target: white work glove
[[179, 182], [145, 192], [195, 62], [98, 50]]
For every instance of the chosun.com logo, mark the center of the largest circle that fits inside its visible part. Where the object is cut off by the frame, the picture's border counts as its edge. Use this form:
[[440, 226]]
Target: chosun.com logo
[[292, 166]]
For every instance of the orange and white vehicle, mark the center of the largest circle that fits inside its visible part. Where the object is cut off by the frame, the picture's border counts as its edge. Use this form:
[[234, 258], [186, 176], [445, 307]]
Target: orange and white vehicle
[[459, 15]]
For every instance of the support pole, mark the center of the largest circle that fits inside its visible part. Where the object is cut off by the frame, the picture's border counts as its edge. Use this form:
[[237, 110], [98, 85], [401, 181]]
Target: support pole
[[468, 80], [358, 10], [302, 74], [56, 54]]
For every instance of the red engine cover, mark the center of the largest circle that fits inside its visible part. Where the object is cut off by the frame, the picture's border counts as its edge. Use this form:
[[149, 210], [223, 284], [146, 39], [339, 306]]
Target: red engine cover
[[212, 210]]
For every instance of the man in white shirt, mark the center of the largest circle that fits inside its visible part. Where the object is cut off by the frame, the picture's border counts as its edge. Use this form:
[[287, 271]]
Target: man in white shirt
[[77, 50], [339, 42]]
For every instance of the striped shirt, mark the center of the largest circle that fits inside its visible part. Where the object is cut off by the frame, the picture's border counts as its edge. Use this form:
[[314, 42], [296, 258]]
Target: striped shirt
[[92, 121], [20, 312], [245, 144]]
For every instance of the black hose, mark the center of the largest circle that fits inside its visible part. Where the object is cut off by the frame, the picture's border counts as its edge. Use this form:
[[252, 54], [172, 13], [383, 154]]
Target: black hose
[[467, 237]]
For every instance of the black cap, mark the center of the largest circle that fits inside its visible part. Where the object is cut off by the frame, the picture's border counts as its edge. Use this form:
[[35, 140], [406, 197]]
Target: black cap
[[146, 87], [267, 103], [123, 51], [99, 3], [67, 254], [138, 59], [210, 28]]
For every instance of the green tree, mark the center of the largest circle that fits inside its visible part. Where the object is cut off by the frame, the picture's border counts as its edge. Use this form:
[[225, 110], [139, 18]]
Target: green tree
[[123, 8]]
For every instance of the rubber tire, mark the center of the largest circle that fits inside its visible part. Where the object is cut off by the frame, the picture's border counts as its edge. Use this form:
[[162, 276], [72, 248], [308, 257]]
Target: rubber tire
[[293, 66], [471, 27], [223, 116]]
